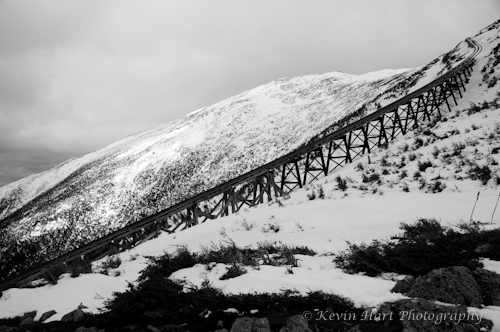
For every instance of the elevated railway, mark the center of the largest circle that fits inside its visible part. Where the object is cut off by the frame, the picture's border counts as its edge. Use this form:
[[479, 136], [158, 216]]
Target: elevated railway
[[284, 174]]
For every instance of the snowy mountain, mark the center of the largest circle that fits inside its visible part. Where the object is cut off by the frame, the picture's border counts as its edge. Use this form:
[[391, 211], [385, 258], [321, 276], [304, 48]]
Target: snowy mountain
[[86, 197], [446, 189]]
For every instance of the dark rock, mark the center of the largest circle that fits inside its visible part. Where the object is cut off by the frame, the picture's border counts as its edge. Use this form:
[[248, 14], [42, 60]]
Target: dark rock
[[47, 315], [76, 315], [489, 283], [5, 328], [403, 286], [455, 285], [355, 328], [26, 321], [154, 329], [31, 314], [247, 324], [242, 324], [423, 315], [86, 329], [261, 325], [296, 324]]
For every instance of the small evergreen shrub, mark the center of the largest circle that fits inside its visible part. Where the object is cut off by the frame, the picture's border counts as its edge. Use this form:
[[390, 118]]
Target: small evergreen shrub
[[312, 195], [435, 186], [404, 147], [77, 267], [481, 173], [457, 148], [341, 183], [233, 271], [321, 192], [435, 152], [271, 227], [171, 306], [373, 177], [423, 246], [417, 143], [422, 183], [428, 132], [111, 262], [53, 274], [422, 166], [249, 225]]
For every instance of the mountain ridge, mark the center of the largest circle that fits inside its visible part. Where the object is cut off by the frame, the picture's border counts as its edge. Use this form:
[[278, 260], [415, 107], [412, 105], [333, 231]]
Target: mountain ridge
[[76, 218]]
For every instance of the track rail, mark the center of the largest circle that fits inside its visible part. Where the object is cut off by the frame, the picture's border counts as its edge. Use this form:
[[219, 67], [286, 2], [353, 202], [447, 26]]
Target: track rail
[[284, 174]]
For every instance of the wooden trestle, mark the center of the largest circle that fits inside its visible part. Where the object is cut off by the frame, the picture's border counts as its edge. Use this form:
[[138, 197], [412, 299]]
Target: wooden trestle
[[285, 174]]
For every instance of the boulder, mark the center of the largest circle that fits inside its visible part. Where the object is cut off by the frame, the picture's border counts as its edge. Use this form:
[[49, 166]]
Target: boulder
[[76, 315], [355, 328], [86, 329], [47, 315], [455, 285], [260, 325], [403, 286], [296, 324], [247, 324], [26, 321], [153, 329], [423, 315], [31, 314], [489, 283]]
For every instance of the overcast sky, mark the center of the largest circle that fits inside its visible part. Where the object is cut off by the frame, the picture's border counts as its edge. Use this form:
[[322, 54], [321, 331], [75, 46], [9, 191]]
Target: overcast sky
[[78, 75]]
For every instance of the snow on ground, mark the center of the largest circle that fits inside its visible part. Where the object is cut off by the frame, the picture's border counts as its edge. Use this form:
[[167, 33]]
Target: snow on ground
[[324, 225]]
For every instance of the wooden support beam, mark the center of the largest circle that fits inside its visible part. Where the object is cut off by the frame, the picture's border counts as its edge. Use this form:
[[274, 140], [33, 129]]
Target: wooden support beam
[[383, 140], [195, 210], [443, 95], [347, 146], [451, 91], [366, 140], [457, 85]]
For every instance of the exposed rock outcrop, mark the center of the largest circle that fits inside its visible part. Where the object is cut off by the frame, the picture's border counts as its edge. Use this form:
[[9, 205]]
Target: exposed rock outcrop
[[454, 284], [76, 315], [47, 315], [403, 286], [248, 324], [489, 283], [26, 321]]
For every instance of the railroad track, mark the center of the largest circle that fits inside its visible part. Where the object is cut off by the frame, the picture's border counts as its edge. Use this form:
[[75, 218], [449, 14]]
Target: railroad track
[[282, 175]]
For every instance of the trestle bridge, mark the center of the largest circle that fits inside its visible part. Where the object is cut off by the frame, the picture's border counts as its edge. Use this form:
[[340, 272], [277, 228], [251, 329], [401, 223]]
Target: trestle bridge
[[284, 174]]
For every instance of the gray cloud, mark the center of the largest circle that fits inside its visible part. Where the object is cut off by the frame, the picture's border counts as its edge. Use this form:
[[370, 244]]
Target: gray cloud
[[77, 75]]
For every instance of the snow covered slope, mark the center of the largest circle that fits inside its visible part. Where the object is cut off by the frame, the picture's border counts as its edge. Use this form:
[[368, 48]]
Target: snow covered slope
[[365, 211], [87, 197]]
